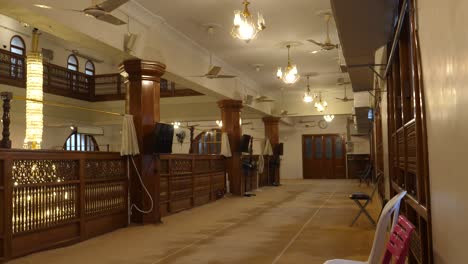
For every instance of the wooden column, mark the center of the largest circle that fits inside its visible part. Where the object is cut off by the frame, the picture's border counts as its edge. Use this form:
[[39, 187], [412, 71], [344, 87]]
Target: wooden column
[[143, 102], [272, 133], [230, 115], [6, 98]]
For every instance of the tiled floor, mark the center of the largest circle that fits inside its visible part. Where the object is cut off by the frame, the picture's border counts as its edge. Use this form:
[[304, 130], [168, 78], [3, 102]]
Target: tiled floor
[[299, 222]]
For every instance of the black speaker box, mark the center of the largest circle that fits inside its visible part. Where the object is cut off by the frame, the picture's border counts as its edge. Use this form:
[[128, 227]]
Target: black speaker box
[[245, 142], [278, 151], [163, 134]]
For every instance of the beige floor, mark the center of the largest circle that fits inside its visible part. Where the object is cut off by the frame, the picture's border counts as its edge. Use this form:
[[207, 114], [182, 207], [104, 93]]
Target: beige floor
[[299, 222]]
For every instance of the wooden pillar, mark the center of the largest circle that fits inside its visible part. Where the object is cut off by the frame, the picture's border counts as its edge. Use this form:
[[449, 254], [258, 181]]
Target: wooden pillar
[[230, 115], [272, 133], [6, 98], [143, 102]]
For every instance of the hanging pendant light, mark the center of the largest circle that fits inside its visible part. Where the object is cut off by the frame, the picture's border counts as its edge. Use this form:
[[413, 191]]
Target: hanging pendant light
[[176, 125], [219, 123], [290, 74], [329, 118], [245, 27], [321, 105], [34, 94], [308, 97]]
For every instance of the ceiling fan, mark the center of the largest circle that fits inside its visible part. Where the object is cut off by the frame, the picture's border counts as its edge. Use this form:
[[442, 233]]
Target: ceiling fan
[[263, 99], [327, 45], [100, 10], [214, 71], [345, 98]]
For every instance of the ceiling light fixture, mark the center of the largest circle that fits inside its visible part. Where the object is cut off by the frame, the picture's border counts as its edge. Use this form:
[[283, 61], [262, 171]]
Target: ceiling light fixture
[[176, 125], [308, 97], [290, 74], [219, 123], [42, 6], [328, 118], [244, 24], [320, 104]]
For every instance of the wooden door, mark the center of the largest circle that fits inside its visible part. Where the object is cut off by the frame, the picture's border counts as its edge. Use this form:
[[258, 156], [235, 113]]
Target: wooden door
[[323, 157]]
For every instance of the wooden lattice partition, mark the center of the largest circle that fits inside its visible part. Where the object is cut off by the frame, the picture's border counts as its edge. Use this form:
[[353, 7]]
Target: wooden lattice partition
[[55, 198], [188, 181], [407, 137]]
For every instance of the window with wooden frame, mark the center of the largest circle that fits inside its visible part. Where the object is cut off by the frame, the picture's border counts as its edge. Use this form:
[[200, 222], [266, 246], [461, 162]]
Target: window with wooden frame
[[89, 68], [80, 142], [17, 47], [72, 63], [207, 142], [408, 136]]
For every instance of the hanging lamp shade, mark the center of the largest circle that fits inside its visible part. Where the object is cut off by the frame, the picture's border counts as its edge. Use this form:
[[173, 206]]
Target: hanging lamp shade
[[129, 144], [268, 150], [225, 147]]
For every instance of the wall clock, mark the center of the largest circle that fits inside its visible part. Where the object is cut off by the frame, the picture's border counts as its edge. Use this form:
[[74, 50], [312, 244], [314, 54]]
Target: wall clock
[[322, 124]]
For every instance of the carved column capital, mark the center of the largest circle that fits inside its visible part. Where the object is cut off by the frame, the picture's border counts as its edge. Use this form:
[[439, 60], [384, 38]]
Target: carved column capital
[[230, 105], [137, 69]]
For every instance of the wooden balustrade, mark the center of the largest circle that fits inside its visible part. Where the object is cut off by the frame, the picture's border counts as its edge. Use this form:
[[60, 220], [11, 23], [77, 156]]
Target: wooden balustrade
[[188, 181], [55, 198], [64, 82], [12, 69]]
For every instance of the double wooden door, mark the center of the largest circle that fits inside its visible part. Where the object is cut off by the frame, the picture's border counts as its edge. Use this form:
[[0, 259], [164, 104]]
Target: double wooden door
[[323, 157]]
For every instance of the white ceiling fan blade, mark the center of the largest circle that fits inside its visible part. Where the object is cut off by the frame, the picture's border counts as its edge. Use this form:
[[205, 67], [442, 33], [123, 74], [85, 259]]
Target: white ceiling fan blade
[[111, 19], [214, 71], [110, 5]]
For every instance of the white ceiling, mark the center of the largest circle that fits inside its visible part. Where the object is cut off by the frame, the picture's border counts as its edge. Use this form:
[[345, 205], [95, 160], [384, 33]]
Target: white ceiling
[[292, 20]]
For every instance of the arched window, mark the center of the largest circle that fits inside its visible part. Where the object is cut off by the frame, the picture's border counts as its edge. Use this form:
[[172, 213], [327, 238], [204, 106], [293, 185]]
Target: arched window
[[17, 47], [89, 68], [207, 142], [80, 142], [72, 63]]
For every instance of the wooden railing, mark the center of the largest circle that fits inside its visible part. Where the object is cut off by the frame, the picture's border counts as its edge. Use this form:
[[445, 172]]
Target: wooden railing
[[62, 81], [188, 181], [12, 69], [54, 198]]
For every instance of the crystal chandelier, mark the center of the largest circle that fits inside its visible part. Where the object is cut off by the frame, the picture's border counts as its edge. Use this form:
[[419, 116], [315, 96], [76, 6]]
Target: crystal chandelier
[[328, 118], [321, 105], [308, 97], [245, 27], [34, 96], [290, 74]]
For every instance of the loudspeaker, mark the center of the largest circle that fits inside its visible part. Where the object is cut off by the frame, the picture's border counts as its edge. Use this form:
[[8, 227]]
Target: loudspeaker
[[278, 151], [163, 134], [245, 142]]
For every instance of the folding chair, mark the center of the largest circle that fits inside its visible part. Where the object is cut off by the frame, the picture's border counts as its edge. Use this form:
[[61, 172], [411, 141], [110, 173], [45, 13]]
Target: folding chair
[[357, 197], [366, 174]]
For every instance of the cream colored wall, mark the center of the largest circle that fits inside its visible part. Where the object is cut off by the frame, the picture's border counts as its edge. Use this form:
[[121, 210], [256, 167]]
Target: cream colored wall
[[444, 50], [10, 27]]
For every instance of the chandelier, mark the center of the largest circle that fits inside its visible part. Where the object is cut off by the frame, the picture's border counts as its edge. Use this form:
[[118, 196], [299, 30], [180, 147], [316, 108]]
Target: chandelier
[[328, 118], [321, 105], [290, 74], [308, 97], [219, 123], [245, 27], [34, 96]]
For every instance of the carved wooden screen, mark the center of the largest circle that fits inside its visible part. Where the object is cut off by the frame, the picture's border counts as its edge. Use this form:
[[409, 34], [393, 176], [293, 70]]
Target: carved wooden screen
[[207, 142], [407, 137]]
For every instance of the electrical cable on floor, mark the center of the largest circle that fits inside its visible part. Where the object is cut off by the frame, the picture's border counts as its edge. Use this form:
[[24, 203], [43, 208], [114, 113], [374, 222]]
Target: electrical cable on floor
[[146, 190]]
